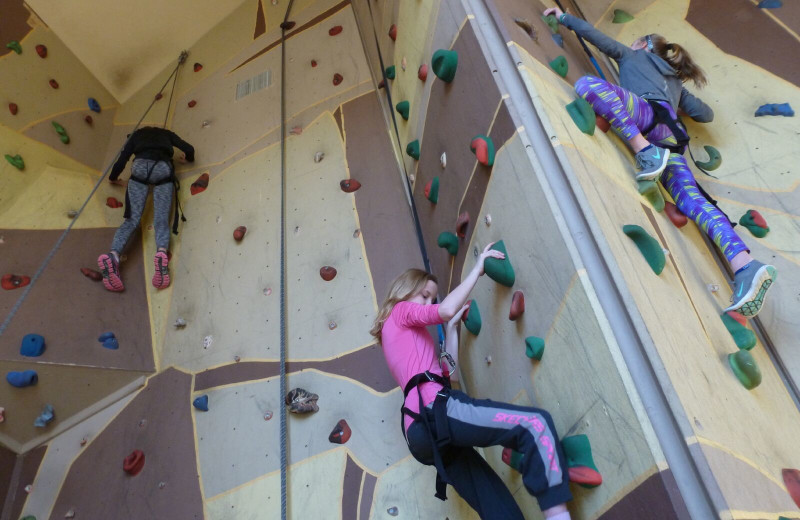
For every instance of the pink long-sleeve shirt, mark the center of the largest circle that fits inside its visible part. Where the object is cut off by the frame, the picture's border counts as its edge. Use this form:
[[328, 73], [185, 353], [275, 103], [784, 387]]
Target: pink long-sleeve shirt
[[410, 350]]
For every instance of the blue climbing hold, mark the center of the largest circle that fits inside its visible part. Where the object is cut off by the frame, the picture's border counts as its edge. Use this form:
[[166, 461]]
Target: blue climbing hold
[[104, 336], [558, 39], [94, 106], [201, 403], [45, 417], [32, 345], [22, 379], [108, 340], [770, 4], [775, 109]]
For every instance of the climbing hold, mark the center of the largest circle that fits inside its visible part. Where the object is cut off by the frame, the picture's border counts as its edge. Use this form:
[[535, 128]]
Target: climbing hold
[[112, 202], [13, 108], [337, 78], [499, 270], [621, 16], [22, 379], [109, 340], [41, 50], [341, 433], [70, 514], [534, 347], [390, 72], [302, 401], [675, 215], [47, 415], [756, 223], [742, 336], [349, 185], [558, 39], [159, 96], [393, 32], [462, 222], [560, 65], [513, 458], [327, 273], [791, 478], [16, 161], [517, 306], [412, 149], [14, 46], [472, 318], [197, 67], [61, 131], [422, 73], [72, 213], [53, 83], [432, 190], [179, 323], [648, 246], [335, 30], [714, 159], [2, 414], [91, 274], [319, 156], [88, 119], [133, 463], [14, 281], [582, 115], [201, 403], [287, 26], [552, 23], [32, 345], [527, 26], [445, 63], [239, 232], [332, 325], [651, 191], [403, 108], [403, 63], [601, 123], [745, 368], [297, 130], [483, 148], [381, 84], [94, 106], [582, 470], [775, 109], [448, 241], [192, 103], [199, 185], [392, 511], [487, 220], [770, 4]]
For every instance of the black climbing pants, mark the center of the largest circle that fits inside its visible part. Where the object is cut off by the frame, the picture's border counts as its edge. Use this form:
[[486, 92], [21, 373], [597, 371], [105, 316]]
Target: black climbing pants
[[482, 423]]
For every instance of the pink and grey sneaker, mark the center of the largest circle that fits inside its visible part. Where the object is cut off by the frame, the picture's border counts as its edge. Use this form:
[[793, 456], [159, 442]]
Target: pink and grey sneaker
[[161, 276], [109, 268]]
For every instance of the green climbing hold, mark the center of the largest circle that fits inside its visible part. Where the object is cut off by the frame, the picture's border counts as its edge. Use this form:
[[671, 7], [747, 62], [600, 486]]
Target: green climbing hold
[[621, 16], [412, 149], [578, 452], [498, 270], [745, 368], [445, 63], [744, 337], [648, 246], [552, 22], [651, 191], [59, 129], [534, 347], [432, 190], [714, 159], [483, 148], [560, 65], [28, 517], [14, 46], [390, 72], [403, 108], [755, 223], [16, 161], [64, 138], [448, 241], [472, 318], [583, 115]]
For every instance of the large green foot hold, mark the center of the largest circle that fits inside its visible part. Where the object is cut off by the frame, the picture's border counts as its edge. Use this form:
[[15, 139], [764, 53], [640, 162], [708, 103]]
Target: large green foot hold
[[445, 63], [648, 246], [483, 148], [390, 72], [472, 318], [14, 46], [737, 326], [552, 23], [432, 190], [755, 222], [412, 149], [513, 458], [16, 161], [582, 470], [582, 115], [534, 347], [498, 270], [621, 16], [403, 108], [448, 241], [560, 65], [714, 159], [650, 191], [745, 368]]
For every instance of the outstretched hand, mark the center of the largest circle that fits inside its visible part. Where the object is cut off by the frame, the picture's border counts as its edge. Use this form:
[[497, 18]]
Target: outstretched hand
[[488, 252], [116, 182], [182, 158], [455, 319], [555, 11]]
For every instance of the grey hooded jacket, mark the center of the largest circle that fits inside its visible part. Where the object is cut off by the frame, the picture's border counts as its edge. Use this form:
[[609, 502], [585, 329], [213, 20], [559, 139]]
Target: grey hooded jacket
[[643, 73]]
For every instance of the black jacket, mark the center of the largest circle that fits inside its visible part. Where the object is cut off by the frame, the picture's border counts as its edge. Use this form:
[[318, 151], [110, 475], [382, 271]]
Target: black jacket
[[151, 143]]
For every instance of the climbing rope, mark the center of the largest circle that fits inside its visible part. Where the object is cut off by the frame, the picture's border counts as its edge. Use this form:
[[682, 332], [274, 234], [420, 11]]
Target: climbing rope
[[55, 248]]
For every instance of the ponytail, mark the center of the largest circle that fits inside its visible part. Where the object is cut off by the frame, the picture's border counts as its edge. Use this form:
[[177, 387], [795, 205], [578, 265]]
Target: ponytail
[[679, 59]]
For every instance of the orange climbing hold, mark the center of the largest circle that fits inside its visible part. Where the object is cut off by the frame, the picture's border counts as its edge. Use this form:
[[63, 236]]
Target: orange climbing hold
[[199, 185], [239, 232], [54, 83], [41, 50], [462, 222], [349, 185], [14, 281], [422, 73], [113, 203], [327, 273], [337, 78], [336, 29], [13, 108], [133, 463], [192, 103], [393, 32], [517, 306], [791, 477], [341, 433], [675, 215], [91, 274]]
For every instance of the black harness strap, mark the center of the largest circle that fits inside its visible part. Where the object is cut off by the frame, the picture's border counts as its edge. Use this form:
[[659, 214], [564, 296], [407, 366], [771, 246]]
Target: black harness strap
[[173, 179]]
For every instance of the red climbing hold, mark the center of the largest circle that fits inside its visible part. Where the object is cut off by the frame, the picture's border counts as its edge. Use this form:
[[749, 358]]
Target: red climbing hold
[[13, 108], [91, 274], [349, 185], [54, 83], [422, 73], [41, 50], [327, 273], [88, 119], [313, 63], [601, 123], [585, 476], [341, 433], [381, 84], [791, 477], [393, 32], [14, 281], [462, 222], [199, 185], [335, 30], [239, 232], [159, 96], [287, 26], [192, 103], [758, 219], [738, 317], [337, 78], [675, 215], [198, 67], [112, 202], [517, 306], [466, 312], [134, 463]]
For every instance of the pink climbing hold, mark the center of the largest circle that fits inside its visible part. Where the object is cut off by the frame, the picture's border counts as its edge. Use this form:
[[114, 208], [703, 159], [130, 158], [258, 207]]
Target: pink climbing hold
[[335, 30], [13, 108], [341, 433], [88, 119], [54, 83], [422, 73], [199, 185], [239, 232], [113, 203], [517, 306], [296, 130], [675, 215], [41, 50], [192, 103], [349, 185], [133, 463], [393, 32], [14, 281], [327, 273], [337, 78], [91, 274]]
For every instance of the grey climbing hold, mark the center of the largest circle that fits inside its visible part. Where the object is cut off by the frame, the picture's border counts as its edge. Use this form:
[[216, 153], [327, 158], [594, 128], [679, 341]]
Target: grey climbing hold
[[392, 511]]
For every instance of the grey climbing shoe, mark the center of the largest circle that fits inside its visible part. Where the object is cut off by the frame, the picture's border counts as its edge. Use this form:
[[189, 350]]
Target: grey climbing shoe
[[651, 163], [750, 287]]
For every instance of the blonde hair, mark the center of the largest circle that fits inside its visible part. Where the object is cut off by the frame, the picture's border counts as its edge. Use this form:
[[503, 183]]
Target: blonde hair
[[402, 288], [679, 59]]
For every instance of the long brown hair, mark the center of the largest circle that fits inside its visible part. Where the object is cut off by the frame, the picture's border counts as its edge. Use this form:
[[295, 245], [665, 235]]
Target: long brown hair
[[402, 288], [679, 59]]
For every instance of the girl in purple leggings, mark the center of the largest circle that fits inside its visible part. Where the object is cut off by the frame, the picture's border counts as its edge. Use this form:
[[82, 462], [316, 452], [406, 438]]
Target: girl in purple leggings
[[643, 111]]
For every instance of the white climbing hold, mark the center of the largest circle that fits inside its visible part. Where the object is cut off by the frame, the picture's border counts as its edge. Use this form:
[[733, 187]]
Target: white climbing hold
[[356, 233], [207, 341], [162, 485], [274, 2], [72, 213], [319, 156], [28, 488], [267, 291], [70, 514], [237, 358], [411, 178], [267, 415], [443, 160], [206, 123], [392, 511], [475, 251], [84, 441], [219, 219], [488, 220], [488, 360], [179, 323], [712, 287], [403, 63], [332, 325]]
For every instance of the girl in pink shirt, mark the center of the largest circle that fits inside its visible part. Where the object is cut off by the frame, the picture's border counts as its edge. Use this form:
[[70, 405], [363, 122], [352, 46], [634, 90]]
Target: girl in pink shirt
[[442, 426]]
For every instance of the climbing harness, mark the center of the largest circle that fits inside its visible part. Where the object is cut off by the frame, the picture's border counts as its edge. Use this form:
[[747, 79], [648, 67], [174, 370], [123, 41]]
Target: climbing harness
[[178, 209]]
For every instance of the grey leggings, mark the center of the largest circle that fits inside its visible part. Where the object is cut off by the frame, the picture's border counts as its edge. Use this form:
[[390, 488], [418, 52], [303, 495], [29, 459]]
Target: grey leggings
[[137, 197]]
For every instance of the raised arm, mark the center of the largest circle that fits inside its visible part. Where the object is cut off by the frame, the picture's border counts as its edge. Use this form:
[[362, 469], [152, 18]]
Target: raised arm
[[458, 296], [695, 108], [608, 46], [124, 155], [183, 146]]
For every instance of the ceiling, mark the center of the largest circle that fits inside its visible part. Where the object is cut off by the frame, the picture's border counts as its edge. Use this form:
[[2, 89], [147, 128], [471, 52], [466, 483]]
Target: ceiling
[[125, 44]]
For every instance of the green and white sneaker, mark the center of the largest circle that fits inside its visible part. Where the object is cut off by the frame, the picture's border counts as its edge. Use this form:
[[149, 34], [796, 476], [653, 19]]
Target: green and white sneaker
[[651, 163], [750, 287]]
